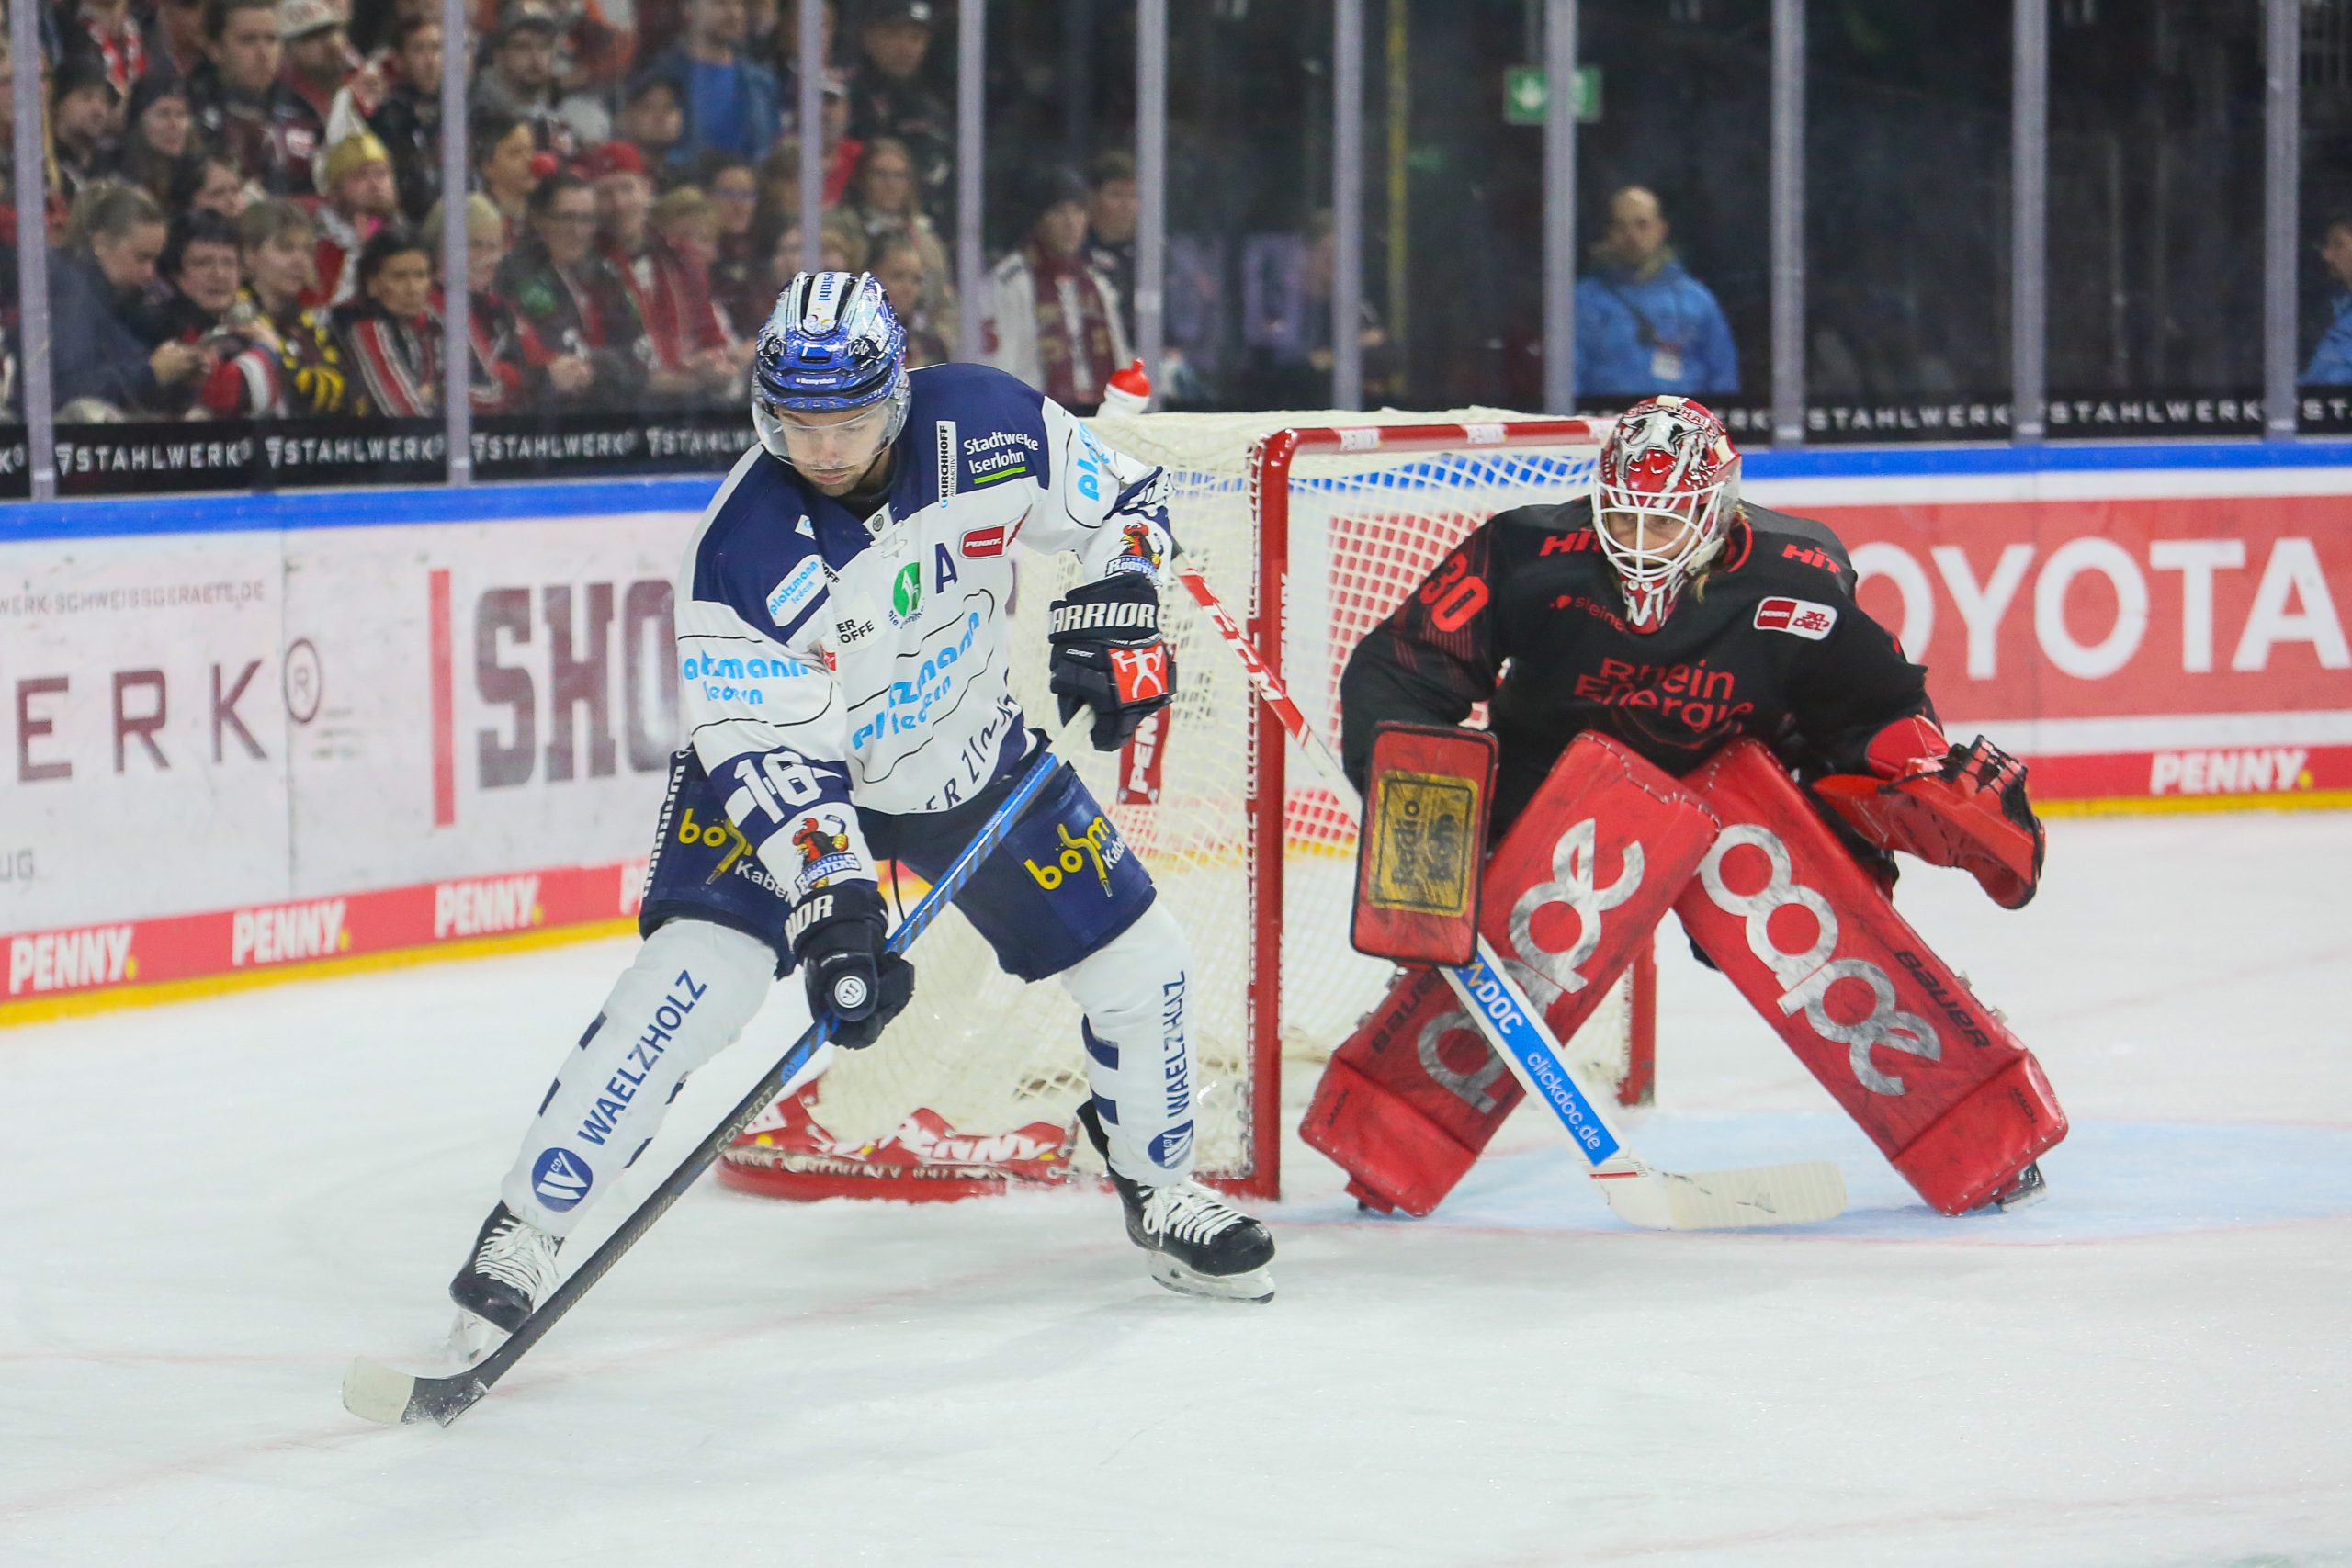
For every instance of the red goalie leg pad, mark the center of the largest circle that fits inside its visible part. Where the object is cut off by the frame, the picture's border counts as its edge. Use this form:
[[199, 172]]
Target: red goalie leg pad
[[1407, 1103], [1939, 1084], [1579, 883]]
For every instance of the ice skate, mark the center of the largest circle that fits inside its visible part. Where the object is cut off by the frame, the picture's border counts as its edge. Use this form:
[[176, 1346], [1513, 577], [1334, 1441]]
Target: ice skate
[[1199, 1243], [511, 1271]]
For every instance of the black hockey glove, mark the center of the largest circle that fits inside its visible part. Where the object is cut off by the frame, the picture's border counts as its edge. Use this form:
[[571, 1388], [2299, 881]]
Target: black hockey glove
[[836, 936], [1108, 655]]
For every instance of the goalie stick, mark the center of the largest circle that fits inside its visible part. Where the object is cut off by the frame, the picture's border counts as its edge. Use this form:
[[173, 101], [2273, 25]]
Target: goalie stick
[[378, 1392], [1639, 1193]]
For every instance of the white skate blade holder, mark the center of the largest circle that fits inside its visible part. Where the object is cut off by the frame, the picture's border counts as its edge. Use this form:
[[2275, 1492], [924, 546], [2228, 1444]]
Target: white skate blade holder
[[1747, 1198]]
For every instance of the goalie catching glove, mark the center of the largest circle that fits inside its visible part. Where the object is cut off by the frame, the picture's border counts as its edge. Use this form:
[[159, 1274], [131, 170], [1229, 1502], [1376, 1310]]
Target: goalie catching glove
[[836, 935], [1108, 655], [1955, 805]]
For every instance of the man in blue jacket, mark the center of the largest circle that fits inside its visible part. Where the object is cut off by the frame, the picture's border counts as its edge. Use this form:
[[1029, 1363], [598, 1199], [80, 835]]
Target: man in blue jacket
[[2331, 363], [733, 104], [1645, 325]]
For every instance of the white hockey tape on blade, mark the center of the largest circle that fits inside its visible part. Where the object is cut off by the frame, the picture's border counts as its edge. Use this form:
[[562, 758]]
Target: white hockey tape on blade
[[374, 1392], [1751, 1199]]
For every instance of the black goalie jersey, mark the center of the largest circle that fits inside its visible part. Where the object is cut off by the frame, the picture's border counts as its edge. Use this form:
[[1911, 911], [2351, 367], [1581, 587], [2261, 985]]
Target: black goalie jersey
[[1525, 616]]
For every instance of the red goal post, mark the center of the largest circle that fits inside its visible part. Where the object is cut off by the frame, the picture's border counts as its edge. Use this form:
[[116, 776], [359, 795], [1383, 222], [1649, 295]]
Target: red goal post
[[1314, 526]]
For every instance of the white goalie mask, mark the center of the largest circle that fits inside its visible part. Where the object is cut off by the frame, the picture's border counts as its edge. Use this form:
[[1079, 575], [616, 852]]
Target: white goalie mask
[[1664, 494]]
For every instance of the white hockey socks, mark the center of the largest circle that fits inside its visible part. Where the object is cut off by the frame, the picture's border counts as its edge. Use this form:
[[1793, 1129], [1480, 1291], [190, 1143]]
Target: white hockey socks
[[693, 988], [1139, 1057]]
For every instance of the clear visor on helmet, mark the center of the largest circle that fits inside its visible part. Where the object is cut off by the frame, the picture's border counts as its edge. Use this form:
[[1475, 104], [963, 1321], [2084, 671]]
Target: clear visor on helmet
[[832, 444]]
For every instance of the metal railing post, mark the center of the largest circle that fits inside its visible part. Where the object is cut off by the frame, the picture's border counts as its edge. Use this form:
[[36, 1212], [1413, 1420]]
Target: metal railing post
[[1560, 206], [1347, 204], [2281, 177], [1788, 222], [456, 291], [2029, 196], [32, 253], [1151, 180]]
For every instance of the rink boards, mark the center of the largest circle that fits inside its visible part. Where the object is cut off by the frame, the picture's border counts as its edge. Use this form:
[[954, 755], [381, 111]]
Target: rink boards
[[252, 733]]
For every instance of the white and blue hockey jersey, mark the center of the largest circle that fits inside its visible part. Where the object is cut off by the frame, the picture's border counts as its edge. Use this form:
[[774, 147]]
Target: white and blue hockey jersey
[[829, 661]]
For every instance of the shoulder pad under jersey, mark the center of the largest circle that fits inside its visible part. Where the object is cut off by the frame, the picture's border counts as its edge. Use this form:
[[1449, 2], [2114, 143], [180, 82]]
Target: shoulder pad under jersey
[[973, 428]]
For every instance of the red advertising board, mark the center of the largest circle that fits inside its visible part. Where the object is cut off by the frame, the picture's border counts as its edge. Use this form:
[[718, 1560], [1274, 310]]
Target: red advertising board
[[2152, 648]]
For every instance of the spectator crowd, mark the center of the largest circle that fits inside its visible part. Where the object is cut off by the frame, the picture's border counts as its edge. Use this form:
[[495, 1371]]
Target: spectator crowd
[[246, 206]]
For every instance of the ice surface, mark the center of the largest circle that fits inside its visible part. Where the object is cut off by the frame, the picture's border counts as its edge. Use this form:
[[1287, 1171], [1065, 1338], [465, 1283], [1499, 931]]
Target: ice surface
[[205, 1209]]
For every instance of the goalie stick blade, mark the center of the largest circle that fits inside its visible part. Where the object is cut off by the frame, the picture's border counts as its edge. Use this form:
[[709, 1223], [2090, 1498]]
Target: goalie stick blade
[[374, 1392], [1751, 1199]]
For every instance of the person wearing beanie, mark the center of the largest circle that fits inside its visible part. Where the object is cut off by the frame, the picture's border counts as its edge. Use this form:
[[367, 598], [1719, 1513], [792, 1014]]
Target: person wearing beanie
[[316, 54], [357, 178], [688, 356], [1050, 316], [519, 76], [84, 127]]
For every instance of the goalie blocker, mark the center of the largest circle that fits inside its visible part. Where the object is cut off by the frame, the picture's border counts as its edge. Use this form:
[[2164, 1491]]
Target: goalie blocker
[[1947, 1094]]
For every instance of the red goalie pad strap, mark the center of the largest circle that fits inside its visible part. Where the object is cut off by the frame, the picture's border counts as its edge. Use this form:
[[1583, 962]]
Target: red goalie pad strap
[[1423, 844], [1939, 1082], [1971, 812], [1577, 887]]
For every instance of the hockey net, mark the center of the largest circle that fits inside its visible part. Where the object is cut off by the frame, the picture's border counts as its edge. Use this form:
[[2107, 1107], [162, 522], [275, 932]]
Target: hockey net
[[1316, 524]]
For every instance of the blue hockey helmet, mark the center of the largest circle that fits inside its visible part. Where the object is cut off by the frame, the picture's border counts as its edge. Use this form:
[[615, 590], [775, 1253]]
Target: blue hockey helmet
[[832, 344]]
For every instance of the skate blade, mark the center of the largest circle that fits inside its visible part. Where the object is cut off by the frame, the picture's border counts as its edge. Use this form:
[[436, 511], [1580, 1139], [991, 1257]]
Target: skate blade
[[1257, 1285]]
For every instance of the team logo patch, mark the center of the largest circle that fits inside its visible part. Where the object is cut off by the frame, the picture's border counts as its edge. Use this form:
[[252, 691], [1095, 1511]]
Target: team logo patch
[[1140, 673], [1798, 618], [1141, 552], [906, 593], [1169, 1149], [562, 1179], [824, 851], [798, 590], [980, 542]]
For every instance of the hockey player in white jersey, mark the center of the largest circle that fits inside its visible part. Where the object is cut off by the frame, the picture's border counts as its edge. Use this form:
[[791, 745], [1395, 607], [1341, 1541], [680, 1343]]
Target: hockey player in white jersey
[[842, 656]]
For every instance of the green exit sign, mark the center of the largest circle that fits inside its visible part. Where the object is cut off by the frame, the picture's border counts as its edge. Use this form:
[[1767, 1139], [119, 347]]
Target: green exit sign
[[1525, 94]]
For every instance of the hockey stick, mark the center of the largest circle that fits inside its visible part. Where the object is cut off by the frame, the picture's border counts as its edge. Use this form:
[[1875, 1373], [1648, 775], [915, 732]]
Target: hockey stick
[[1639, 1193], [379, 1393]]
